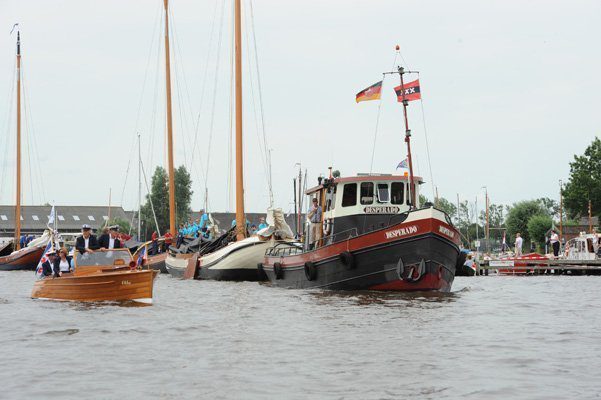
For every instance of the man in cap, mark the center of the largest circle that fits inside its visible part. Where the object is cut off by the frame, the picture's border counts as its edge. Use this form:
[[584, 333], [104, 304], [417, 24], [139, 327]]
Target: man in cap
[[47, 266], [86, 243], [315, 219], [110, 240]]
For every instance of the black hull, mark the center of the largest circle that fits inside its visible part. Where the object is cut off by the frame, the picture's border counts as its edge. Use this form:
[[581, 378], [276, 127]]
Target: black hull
[[234, 275], [464, 270], [425, 262], [175, 272]]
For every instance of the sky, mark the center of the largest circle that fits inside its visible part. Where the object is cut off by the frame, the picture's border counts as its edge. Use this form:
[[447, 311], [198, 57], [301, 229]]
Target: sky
[[511, 91]]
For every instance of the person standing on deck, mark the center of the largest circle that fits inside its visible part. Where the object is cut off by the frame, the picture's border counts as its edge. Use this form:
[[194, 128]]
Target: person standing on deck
[[110, 240], [555, 243], [518, 244], [315, 219]]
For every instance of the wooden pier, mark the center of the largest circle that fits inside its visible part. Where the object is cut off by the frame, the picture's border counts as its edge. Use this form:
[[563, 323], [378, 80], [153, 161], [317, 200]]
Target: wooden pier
[[538, 266]]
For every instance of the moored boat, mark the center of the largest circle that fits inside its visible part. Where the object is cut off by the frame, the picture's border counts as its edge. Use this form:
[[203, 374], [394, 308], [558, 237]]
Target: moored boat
[[105, 275], [24, 259], [374, 241]]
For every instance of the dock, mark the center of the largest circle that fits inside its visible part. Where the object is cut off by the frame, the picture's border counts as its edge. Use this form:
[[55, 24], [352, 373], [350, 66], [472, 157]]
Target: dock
[[538, 266]]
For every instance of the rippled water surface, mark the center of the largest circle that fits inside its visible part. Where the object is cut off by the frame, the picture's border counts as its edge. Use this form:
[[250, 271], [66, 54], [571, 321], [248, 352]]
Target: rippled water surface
[[493, 337]]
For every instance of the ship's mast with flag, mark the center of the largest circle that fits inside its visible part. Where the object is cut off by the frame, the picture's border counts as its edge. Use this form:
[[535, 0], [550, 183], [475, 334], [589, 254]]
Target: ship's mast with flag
[[405, 92]]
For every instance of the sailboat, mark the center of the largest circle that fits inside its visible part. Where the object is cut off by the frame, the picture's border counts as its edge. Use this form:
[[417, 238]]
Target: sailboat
[[236, 255], [26, 258]]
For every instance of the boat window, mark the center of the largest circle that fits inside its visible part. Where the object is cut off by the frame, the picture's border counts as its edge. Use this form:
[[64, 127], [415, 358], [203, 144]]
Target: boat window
[[383, 194], [411, 194], [4, 218], [91, 218], [103, 258], [349, 196], [35, 217], [76, 218], [397, 195], [367, 193]]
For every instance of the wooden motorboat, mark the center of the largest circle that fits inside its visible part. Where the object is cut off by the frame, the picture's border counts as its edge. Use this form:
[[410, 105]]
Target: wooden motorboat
[[24, 259], [105, 275]]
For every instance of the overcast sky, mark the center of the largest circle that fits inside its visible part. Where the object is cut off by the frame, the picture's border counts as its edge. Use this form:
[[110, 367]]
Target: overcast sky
[[511, 91]]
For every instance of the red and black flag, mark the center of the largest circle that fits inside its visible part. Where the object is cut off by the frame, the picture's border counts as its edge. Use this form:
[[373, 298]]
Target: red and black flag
[[371, 93], [409, 92]]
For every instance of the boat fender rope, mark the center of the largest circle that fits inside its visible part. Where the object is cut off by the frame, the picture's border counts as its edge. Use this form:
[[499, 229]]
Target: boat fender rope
[[310, 271], [278, 271], [348, 259]]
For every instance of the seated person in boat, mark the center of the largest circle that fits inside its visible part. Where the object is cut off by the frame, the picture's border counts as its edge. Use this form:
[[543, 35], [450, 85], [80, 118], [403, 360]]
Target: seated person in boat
[[47, 266], [110, 240], [86, 243], [62, 263]]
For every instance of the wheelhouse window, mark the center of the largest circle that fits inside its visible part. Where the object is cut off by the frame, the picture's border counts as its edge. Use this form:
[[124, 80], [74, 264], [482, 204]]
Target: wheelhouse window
[[367, 193], [383, 193], [349, 195], [397, 192]]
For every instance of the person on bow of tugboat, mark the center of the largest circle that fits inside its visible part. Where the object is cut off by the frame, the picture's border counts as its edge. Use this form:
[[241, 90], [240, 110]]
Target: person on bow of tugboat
[[315, 219], [110, 240], [86, 243], [62, 264]]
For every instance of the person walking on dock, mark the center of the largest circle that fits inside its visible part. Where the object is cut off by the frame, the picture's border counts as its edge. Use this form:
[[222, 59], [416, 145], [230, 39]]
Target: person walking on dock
[[555, 243], [518, 244]]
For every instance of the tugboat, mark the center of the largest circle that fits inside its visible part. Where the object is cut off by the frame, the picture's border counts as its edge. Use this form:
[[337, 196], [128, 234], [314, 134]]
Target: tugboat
[[375, 235]]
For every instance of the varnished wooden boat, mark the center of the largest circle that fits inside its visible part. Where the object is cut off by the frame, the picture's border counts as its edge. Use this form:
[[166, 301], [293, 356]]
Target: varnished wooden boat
[[106, 275], [24, 259]]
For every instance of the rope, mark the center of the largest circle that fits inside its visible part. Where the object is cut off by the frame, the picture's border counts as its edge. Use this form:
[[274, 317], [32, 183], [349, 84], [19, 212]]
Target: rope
[[427, 146], [8, 142], [373, 151], [150, 199]]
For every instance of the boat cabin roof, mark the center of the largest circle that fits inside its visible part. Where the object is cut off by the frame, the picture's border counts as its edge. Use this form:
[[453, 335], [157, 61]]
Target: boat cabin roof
[[364, 178]]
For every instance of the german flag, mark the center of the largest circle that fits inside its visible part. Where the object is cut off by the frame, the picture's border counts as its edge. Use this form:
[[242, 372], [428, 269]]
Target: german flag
[[410, 91], [371, 93]]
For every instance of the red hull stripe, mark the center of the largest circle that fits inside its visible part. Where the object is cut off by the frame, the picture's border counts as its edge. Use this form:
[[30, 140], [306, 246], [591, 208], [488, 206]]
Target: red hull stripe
[[391, 234]]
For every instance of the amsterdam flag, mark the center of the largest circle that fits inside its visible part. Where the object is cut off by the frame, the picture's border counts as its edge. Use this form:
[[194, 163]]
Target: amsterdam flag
[[411, 89], [371, 93]]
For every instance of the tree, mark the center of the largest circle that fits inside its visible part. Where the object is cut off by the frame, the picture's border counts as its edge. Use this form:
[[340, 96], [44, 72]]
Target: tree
[[448, 207], [159, 193], [183, 194], [585, 182], [519, 214], [538, 225]]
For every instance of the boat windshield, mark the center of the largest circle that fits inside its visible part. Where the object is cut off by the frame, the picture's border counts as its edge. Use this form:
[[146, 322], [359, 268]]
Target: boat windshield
[[116, 257]]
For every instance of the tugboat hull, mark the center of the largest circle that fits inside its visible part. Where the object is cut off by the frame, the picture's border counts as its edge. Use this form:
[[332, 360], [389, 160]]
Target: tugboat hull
[[422, 258]]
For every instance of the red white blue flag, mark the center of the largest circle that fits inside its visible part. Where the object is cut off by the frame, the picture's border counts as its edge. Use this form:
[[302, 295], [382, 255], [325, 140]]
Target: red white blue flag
[[403, 164], [39, 271]]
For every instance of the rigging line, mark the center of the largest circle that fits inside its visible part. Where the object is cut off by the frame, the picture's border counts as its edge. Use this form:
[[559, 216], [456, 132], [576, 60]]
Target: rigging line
[[204, 80], [27, 143], [32, 142], [252, 91], [373, 151], [219, 41], [155, 25], [155, 100], [150, 198], [231, 114], [8, 141], [427, 145], [252, 20]]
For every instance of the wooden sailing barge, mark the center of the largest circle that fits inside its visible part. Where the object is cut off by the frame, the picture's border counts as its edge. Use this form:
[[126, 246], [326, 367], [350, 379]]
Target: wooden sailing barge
[[27, 258]]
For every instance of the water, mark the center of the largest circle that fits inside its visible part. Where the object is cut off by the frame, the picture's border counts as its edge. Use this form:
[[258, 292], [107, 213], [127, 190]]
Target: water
[[493, 337]]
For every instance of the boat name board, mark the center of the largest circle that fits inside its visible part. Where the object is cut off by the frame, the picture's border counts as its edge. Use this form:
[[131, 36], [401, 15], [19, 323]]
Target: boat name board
[[446, 231], [401, 232], [125, 282], [381, 210]]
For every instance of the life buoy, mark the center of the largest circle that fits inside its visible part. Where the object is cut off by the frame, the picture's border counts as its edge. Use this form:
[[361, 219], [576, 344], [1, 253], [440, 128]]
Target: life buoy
[[261, 272], [348, 259], [327, 226], [310, 271], [278, 271]]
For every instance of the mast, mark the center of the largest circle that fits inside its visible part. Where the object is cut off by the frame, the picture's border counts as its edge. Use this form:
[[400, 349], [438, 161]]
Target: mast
[[139, 190], [240, 219], [408, 140], [18, 189], [171, 174], [560, 211]]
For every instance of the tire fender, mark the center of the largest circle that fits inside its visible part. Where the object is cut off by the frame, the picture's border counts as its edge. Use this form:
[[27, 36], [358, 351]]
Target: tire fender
[[310, 271], [348, 259]]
